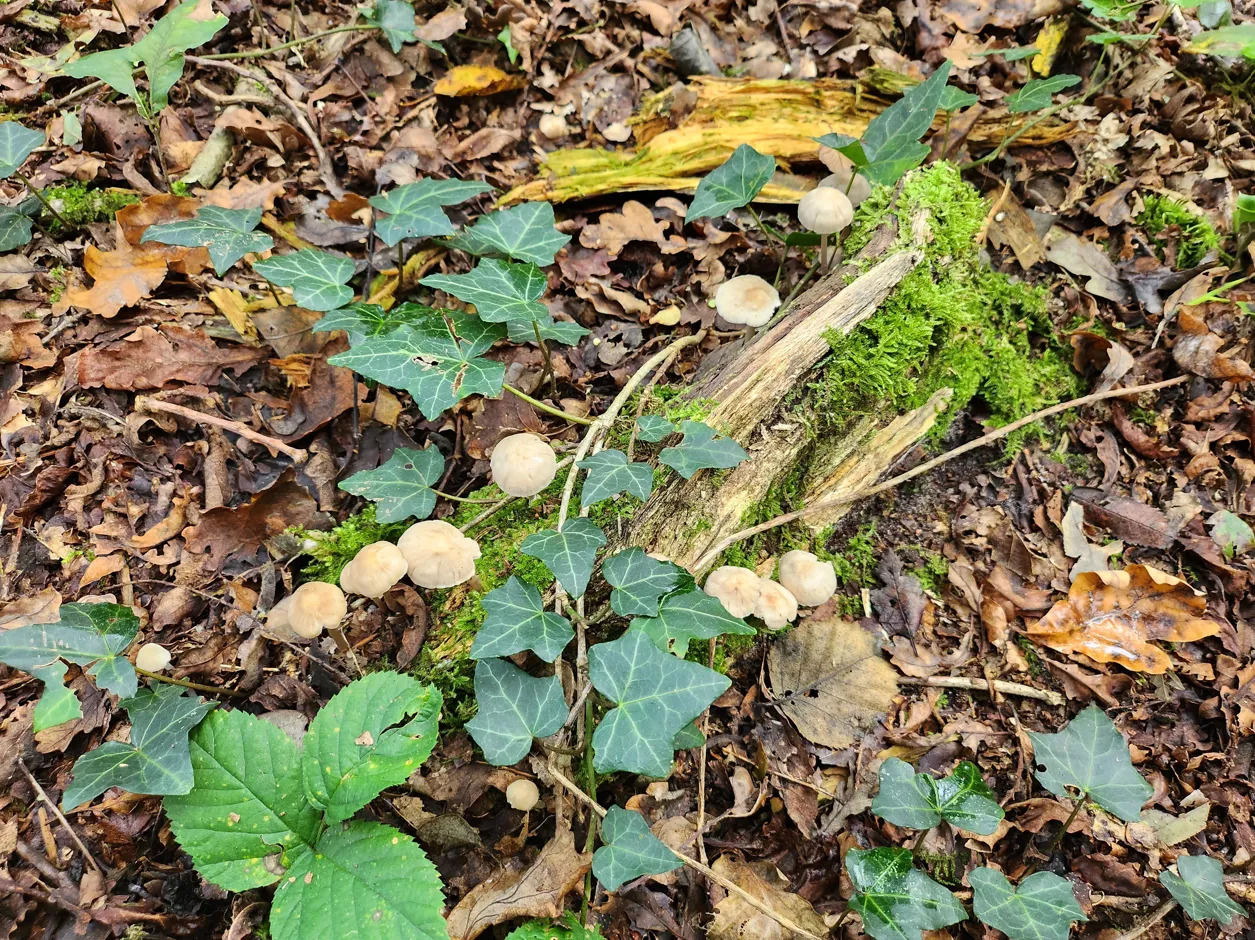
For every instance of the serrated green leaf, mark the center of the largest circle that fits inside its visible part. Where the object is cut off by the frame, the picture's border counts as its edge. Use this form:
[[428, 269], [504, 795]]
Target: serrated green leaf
[[699, 450], [610, 473], [17, 142], [731, 185], [569, 554], [895, 900], [402, 487], [892, 139], [524, 232], [921, 801], [1235, 40], [393, 18], [630, 850], [551, 331], [655, 694], [156, 761], [570, 929], [414, 210], [639, 582], [227, 233], [514, 708], [652, 429], [1091, 755], [15, 229], [501, 291], [1043, 908], [1199, 889], [952, 99], [694, 615], [58, 703], [373, 734], [318, 279], [1037, 93], [850, 147], [1119, 11], [361, 320], [515, 619]]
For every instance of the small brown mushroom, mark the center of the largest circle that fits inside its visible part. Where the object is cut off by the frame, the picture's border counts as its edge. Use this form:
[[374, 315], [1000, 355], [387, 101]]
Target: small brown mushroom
[[747, 300], [523, 464], [736, 589], [522, 794], [316, 606], [776, 605], [374, 570], [438, 554], [553, 127], [807, 578], [152, 657]]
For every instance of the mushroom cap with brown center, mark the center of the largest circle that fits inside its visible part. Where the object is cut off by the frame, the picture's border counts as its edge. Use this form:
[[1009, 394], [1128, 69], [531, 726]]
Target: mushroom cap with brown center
[[316, 606], [523, 464], [825, 210], [747, 300], [438, 554], [807, 578], [736, 589], [374, 570], [776, 605]]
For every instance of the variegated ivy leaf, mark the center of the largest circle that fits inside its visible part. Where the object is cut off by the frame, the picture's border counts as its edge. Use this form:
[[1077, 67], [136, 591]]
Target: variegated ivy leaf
[[1199, 889], [701, 450], [639, 581], [652, 429], [361, 320], [516, 620], [921, 801], [414, 210], [318, 279], [514, 708], [693, 615], [629, 850], [17, 142], [402, 487], [551, 330], [15, 226], [438, 361], [1037, 92], [732, 185], [524, 232], [610, 473], [895, 899], [393, 18], [501, 291], [569, 554], [227, 233], [1042, 908]]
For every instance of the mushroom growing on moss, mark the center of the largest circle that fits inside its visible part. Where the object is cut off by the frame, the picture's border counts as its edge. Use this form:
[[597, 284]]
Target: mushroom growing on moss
[[747, 300], [826, 211], [522, 794], [523, 464], [776, 605], [737, 589], [316, 606], [374, 570], [152, 657], [438, 554], [807, 578]]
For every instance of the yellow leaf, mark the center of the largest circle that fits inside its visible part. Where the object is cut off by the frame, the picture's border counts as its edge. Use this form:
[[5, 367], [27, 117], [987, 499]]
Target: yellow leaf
[[1048, 42], [465, 80]]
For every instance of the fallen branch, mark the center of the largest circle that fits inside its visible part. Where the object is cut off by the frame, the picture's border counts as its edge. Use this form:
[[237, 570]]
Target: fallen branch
[[981, 685], [235, 427]]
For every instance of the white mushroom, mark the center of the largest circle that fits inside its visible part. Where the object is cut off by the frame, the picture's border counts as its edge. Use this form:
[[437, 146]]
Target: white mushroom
[[316, 606], [826, 211], [523, 464], [152, 657], [522, 794], [776, 605], [278, 623], [856, 191], [737, 589], [747, 300], [807, 578], [374, 570], [439, 556], [553, 126]]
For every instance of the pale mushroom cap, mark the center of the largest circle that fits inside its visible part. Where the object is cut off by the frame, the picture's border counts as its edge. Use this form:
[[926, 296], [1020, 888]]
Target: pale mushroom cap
[[523, 464], [856, 192], [374, 570], [152, 657], [438, 555], [278, 622], [807, 578], [747, 300], [736, 588], [522, 794], [825, 210], [776, 605], [553, 126], [316, 606]]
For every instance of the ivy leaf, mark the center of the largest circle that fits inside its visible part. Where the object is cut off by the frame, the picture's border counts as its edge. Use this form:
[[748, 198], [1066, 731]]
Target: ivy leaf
[[652, 429], [892, 139], [500, 290], [895, 900], [554, 331], [921, 801], [1199, 889], [732, 185], [1036, 94], [1091, 755], [414, 210], [630, 850], [569, 554], [437, 361], [58, 704], [610, 473], [694, 615], [1230, 532], [516, 620], [361, 320], [15, 226], [227, 233], [402, 487], [156, 761], [689, 737], [318, 279], [374, 733], [1043, 908], [514, 708], [525, 232], [700, 451], [850, 147], [952, 99], [656, 695], [639, 581], [17, 142], [393, 18]]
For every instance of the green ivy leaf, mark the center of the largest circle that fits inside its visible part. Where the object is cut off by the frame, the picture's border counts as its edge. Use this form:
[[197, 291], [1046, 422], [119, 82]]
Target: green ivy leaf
[[699, 450], [639, 581], [414, 210], [318, 279], [732, 185], [850, 147], [393, 18], [689, 737], [361, 320], [516, 620], [1236, 40], [1091, 755], [373, 734], [921, 801], [694, 615], [525, 233], [1199, 889], [1243, 210], [655, 694], [1012, 54], [500, 290], [437, 361], [227, 233], [895, 900], [652, 429], [514, 708], [610, 473], [892, 139], [17, 142], [15, 227], [402, 487], [1037, 93], [1043, 908], [952, 99], [551, 331], [1231, 533], [569, 554], [156, 761], [58, 704], [630, 850]]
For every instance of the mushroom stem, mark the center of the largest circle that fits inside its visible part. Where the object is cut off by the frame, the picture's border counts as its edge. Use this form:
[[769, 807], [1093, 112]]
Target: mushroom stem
[[823, 252]]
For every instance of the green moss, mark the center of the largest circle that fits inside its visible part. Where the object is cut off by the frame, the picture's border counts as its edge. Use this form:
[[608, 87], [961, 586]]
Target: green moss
[[932, 573], [59, 276], [80, 206], [1197, 236], [856, 565], [331, 551]]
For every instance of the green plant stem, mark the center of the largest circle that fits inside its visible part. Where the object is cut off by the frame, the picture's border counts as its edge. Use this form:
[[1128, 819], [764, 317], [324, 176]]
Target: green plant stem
[[43, 199], [1058, 836], [194, 686], [919, 842], [312, 37], [460, 499], [761, 227], [591, 777], [548, 363], [547, 409]]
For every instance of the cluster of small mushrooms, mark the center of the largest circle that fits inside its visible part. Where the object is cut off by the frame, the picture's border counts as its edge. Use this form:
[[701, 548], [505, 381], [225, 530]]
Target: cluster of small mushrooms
[[805, 581]]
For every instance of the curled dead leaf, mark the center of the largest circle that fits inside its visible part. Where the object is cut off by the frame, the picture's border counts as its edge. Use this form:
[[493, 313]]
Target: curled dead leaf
[[1197, 350], [735, 919]]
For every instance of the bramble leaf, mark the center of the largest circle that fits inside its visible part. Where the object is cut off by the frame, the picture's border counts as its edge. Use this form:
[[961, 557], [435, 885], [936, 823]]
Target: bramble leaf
[[639, 581], [318, 279], [393, 18], [699, 450], [892, 139], [731, 185], [227, 233], [501, 291], [569, 929], [17, 142], [610, 473], [895, 900], [921, 801], [1199, 889], [652, 429], [1036, 94], [361, 320], [401, 488], [514, 708], [629, 850], [694, 615], [569, 554], [414, 210], [551, 330], [1043, 908], [15, 227], [516, 620], [525, 233]]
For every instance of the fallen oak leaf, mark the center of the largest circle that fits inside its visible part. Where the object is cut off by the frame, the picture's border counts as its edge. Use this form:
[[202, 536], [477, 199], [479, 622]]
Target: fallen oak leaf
[[151, 358], [1197, 350], [123, 277]]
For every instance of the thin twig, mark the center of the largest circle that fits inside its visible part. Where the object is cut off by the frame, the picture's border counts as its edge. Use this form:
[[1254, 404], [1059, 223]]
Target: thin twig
[[56, 811], [194, 686], [312, 37], [235, 427], [1158, 914], [981, 685]]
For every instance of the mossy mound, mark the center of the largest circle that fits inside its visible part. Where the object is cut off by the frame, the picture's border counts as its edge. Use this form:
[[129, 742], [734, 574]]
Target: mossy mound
[[1196, 236], [79, 206]]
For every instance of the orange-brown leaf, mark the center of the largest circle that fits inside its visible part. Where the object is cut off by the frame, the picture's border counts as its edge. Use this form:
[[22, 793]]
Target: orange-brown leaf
[[123, 277]]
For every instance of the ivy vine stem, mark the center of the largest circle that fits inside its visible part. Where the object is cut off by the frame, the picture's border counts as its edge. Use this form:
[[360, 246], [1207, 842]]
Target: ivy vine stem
[[1058, 836], [312, 37], [42, 198], [547, 409], [194, 686]]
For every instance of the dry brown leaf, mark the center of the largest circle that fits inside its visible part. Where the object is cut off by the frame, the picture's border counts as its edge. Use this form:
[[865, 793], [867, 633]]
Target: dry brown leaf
[[16, 272], [222, 532], [122, 277], [41, 607], [132, 220], [167, 528], [614, 230], [735, 919], [464, 80], [1119, 616], [1197, 350], [151, 358], [444, 24], [261, 130]]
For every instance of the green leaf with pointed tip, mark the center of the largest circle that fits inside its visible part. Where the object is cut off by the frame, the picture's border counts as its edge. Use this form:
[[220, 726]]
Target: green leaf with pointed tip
[[318, 279], [731, 185], [639, 582], [156, 761], [1235, 40], [694, 615], [374, 733], [1199, 889], [393, 18], [414, 210], [516, 620], [895, 900], [921, 801], [850, 147], [655, 694], [892, 139], [361, 320], [1091, 755], [630, 850], [1012, 54], [952, 99], [610, 473], [58, 704], [1118, 11], [15, 228], [514, 708], [501, 291], [525, 232], [437, 361], [227, 233], [569, 929], [1036, 94], [402, 487], [700, 450], [569, 554], [1043, 908], [689, 737], [652, 429], [17, 142], [551, 331]]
